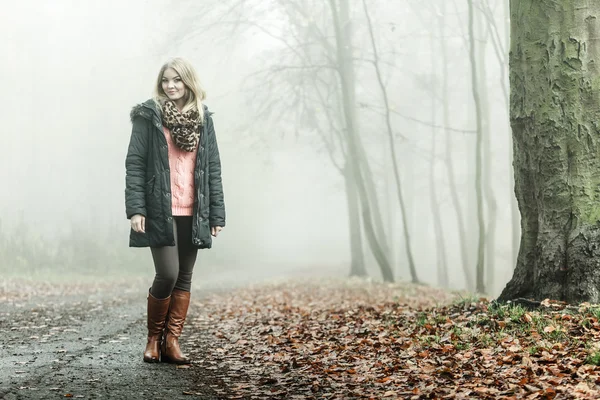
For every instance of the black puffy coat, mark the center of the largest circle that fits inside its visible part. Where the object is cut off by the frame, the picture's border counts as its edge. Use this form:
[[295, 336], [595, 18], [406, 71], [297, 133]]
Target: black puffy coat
[[148, 182]]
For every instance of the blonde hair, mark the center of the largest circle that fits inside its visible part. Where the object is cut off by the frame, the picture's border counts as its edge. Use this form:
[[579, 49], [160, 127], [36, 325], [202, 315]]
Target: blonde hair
[[195, 93]]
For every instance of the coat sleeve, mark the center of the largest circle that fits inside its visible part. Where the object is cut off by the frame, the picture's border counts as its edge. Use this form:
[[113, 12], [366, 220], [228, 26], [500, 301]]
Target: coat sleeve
[[217, 203], [135, 169]]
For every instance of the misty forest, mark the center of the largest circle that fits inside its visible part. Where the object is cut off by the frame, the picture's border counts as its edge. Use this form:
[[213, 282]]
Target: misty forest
[[412, 193]]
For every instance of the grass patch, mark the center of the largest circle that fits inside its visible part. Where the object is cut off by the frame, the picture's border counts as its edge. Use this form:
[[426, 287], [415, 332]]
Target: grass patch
[[516, 313], [466, 301], [593, 358], [422, 319]]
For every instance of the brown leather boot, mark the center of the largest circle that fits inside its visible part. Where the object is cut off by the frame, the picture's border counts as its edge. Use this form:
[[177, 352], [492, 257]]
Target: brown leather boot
[[170, 351], [157, 313]]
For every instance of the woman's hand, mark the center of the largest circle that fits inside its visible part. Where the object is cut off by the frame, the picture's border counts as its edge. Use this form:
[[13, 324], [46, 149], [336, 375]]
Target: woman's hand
[[138, 223], [215, 230]]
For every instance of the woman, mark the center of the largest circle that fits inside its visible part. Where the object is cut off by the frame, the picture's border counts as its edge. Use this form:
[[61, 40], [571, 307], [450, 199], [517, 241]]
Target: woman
[[173, 197]]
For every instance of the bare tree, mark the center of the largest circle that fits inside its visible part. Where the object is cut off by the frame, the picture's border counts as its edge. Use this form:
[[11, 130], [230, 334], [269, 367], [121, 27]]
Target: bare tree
[[449, 155], [490, 197], [346, 76], [333, 139], [500, 44], [442, 264], [480, 283], [307, 52], [392, 144]]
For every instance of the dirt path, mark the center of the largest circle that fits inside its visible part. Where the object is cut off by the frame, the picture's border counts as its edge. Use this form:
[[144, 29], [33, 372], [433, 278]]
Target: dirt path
[[88, 344]]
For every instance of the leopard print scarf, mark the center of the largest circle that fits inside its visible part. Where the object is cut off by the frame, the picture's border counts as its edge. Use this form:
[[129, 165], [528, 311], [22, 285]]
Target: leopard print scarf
[[184, 127]]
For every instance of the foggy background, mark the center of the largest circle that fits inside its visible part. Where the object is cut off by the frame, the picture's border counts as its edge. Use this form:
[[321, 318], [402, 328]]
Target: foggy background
[[73, 70]]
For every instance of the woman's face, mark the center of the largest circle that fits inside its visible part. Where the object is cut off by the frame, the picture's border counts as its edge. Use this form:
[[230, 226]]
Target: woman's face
[[172, 85]]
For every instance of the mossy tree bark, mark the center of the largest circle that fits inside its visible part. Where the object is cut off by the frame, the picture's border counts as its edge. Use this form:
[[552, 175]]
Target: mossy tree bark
[[555, 118]]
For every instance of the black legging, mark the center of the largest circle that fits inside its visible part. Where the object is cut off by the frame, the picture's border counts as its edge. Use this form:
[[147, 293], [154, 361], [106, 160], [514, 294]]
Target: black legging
[[174, 264]]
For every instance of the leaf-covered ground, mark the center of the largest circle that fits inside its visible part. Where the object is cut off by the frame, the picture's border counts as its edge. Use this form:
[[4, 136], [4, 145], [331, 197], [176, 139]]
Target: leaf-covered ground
[[356, 339]]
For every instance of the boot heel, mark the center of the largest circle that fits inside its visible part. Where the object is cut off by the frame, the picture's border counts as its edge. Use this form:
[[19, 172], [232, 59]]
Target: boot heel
[[165, 359]]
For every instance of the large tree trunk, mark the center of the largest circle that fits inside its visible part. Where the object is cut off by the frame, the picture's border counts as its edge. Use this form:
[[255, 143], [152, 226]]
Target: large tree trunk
[[555, 109], [357, 265]]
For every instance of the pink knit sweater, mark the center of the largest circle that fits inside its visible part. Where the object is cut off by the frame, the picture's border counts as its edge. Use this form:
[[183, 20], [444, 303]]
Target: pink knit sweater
[[182, 165]]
